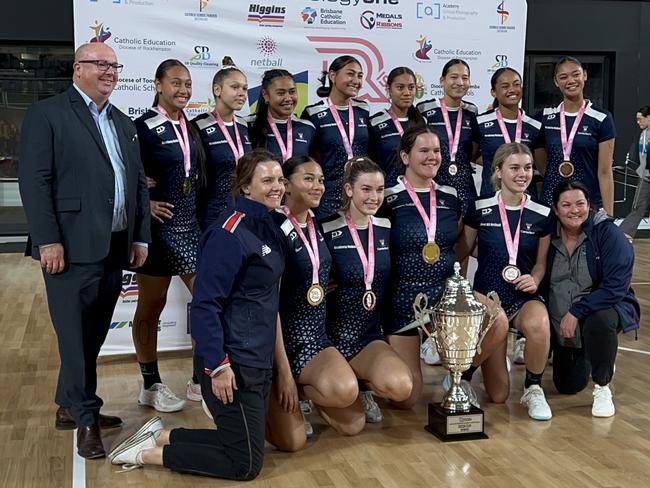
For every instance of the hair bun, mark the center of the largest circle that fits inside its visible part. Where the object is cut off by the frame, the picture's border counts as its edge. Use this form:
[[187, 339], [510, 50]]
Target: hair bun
[[227, 62]]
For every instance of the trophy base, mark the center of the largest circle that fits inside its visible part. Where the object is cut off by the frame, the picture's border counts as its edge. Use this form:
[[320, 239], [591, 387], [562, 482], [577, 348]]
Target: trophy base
[[455, 426]]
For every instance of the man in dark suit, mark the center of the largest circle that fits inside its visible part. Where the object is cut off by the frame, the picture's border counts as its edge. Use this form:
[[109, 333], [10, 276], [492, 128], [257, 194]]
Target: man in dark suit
[[85, 196]]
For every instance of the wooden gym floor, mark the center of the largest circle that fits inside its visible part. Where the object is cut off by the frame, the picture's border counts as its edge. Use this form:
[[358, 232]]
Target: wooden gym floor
[[573, 449]]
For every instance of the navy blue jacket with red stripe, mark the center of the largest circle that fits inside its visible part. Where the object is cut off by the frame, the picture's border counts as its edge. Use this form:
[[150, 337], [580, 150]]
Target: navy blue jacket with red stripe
[[235, 300]]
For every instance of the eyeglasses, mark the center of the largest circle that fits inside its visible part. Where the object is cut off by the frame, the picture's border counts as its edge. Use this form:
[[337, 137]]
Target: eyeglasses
[[104, 65]]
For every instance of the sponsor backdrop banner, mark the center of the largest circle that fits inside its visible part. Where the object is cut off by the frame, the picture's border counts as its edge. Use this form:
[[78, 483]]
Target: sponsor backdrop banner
[[303, 37]]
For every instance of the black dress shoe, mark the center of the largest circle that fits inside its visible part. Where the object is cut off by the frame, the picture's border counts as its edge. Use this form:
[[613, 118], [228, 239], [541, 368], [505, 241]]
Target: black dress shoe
[[89, 442], [65, 421]]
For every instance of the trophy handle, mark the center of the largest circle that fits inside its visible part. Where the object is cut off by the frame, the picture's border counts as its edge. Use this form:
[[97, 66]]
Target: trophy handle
[[423, 313], [493, 313]]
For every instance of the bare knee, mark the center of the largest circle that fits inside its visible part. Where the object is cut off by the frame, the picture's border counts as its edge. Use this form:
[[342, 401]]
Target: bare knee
[[351, 428], [340, 392], [292, 444], [399, 387]]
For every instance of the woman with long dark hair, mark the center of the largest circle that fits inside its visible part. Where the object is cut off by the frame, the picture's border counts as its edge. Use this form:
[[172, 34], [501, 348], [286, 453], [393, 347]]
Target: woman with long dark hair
[[341, 123], [274, 126], [225, 138], [173, 160], [388, 125]]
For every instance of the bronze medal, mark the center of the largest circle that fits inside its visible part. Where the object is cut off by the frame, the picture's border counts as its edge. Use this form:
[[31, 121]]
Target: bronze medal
[[430, 252], [315, 295], [566, 169], [369, 300], [510, 273]]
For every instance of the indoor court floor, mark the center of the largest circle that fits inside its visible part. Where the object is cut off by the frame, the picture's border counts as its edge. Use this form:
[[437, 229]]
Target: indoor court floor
[[573, 449]]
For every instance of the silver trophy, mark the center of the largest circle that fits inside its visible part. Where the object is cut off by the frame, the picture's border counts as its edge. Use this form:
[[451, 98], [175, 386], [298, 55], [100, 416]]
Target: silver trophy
[[458, 327]]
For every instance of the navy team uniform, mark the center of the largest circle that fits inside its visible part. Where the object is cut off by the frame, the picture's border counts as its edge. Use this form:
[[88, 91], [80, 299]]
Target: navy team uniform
[[410, 275], [174, 243], [484, 217], [463, 181], [384, 144], [234, 313], [303, 325], [220, 163], [328, 148], [350, 326], [304, 134], [596, 126], [491, 138]]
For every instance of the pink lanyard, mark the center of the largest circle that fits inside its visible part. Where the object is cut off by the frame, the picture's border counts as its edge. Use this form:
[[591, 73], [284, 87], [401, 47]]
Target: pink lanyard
[[429, 220], [183, 141], [312, 250], [238, 150], [504, 129], [368, 263], [453, 141], [511, 245], [347, 141], [398, 124], [567, 144], [286, 150]]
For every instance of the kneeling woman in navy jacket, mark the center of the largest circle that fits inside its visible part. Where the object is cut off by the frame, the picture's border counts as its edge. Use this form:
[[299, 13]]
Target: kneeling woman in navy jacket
[[589, 270], [234, 312]]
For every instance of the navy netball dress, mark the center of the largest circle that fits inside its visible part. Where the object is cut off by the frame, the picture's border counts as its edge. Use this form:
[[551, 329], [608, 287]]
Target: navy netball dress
[[463, 180], [303, 325], [329, 150], [384, 144], [174, 243], [350, 326], [220, 162], [303, 131], [492, 251], [410, 274]]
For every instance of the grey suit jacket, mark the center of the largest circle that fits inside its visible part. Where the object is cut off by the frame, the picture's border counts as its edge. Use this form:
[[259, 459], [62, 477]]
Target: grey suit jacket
[[67, 182]]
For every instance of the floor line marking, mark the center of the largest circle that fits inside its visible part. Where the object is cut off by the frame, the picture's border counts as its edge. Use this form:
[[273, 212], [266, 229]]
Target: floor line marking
[[640, 283], [629, 349], [78, 465]]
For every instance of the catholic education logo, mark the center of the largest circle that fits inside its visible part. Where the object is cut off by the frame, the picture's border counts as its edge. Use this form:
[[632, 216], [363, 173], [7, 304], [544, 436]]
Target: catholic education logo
[[424, 47], [102, 34], [309, 15]]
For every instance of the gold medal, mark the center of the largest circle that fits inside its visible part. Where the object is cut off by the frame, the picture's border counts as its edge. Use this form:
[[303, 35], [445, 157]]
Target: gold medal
[[453, 169], [369, 300], [187, 186], [566, 169], [430, 252], [510, 273], [315, 295]]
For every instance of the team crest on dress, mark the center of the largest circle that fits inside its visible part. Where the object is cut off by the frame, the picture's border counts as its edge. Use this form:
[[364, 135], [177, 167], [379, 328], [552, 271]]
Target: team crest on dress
[[528, 226], [382, 242], [585, 128], [300, 135]]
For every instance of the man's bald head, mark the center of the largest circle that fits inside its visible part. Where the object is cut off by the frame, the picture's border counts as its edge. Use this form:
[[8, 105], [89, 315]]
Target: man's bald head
[[94, 82]]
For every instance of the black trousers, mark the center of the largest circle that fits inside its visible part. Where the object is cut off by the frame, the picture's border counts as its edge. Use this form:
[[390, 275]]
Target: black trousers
[[81, 300], [235, 450], [573, 366]]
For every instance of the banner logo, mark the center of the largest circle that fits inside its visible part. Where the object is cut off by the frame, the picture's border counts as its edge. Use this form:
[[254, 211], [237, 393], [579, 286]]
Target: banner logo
[[501, 62], [266, 46], [501, 10], [424, 47], [427, 10], [203, 4], [380, 20], [309, 15], [101, 34], [266, 15], [368, 20]]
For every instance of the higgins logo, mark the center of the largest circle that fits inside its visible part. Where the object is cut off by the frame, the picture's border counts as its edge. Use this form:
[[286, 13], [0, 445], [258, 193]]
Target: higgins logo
[[129, 292], [266, 15], [354, 3], [102, 34]]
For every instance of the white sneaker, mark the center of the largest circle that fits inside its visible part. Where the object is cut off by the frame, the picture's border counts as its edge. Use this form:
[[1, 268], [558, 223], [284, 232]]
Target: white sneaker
[[370, 407], [150, 427], [518, 356], [465, 385], [130, 455], [160, 397], [193, 391], [508, 364], [429, 353], [206, 410], [534, 399], [305, 408], [603, 405]]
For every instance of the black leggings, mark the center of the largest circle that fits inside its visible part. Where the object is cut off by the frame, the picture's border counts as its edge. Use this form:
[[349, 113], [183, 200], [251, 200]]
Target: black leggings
[[235, 450], [572, 366]]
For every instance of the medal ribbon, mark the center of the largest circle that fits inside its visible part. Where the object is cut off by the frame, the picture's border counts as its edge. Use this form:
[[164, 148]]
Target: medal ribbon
[[287, 151], [430, 220], [511, 245], [398, 124], [368, 263], [453, 141], [238, 150], [183, 141], [347, 141], [567, 144], [504, 129], [312, 250]]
